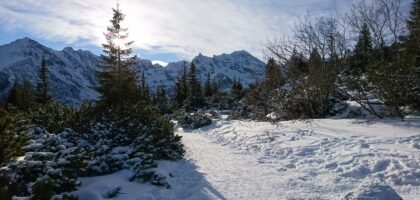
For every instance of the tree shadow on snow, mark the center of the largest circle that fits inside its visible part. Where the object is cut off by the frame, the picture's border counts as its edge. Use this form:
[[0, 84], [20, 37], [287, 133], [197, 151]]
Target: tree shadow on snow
[[187, 182]]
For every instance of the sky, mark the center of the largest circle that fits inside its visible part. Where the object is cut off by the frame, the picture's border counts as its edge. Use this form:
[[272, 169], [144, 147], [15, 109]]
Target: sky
[[162, 30]]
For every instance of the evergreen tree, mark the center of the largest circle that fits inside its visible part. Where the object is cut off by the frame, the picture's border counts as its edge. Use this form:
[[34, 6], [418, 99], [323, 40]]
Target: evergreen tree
[[181, 88], [412, 49], [117, 81], [43, 89], [272, 74], [21, 96], [15, 95], [160, 96], [10, 143], [297, 66], [144, 90], [208, 87], [237, 90], [413, 39], [363, 49], [319, 86], [195, 96]]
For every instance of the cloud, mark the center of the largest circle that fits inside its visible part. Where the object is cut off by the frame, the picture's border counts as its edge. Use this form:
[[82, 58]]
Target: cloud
[[185, 28]]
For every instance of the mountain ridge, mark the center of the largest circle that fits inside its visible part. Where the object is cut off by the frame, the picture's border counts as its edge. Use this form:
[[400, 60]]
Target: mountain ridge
[[72, 72]]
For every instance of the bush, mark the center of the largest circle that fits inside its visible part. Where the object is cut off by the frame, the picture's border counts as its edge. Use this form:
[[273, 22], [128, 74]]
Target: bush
[[10, 142], [193, 120]]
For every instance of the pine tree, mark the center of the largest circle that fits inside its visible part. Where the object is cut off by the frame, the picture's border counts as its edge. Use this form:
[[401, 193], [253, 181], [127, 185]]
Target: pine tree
[[237, 90], [297, 66], [208, 88], [362, 50], [117, 81], [181, 88], [10, 143], [195, 96], [43, 89], [21, 96], [272, 74], [144, 90], [15, 95], [412, 49], [319, 86], [413, 39]]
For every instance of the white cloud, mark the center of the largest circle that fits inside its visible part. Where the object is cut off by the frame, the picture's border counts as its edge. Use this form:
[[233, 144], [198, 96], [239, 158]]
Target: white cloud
[[186, 27]]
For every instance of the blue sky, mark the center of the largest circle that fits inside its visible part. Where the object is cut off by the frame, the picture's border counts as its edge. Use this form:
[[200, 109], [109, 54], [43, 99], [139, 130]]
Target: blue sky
[[163, 30]]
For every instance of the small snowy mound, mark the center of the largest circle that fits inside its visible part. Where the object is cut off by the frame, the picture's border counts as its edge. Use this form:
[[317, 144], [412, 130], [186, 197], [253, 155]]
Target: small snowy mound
[[373, 190]]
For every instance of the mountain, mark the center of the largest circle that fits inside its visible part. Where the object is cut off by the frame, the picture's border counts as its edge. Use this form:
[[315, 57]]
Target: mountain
[[72, 72]]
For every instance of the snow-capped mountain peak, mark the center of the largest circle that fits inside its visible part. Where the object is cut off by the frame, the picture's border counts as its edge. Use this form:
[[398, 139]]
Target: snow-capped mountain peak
[[72, 72]]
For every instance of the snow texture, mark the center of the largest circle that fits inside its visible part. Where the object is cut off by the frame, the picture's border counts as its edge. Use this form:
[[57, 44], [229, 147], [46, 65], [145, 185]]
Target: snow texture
[[314, 159]]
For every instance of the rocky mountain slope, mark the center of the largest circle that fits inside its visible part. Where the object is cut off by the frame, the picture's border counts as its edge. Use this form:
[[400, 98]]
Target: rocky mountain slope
[[72, 72]]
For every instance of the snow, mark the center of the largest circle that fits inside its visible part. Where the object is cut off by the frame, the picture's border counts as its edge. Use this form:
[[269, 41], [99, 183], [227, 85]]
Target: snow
[[373, 190], [313, 159], [72, 72]]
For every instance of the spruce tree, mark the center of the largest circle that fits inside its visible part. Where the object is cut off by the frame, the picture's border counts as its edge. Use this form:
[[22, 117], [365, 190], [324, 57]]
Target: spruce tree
[[144, 90], [43, 89], [195, 96], [15, 95], [208, 88], [236, 90], [412, 49], [297, 66], [10, 143], [181, 90], [21, 96], [362, 50], [272, 74], [117, 81]]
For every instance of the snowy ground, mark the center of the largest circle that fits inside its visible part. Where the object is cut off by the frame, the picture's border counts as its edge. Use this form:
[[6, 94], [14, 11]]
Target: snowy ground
[[315, 159]]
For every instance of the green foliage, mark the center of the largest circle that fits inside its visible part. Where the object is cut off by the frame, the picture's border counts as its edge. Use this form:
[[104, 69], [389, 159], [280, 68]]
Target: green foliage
[[195, 96], [237, 92], [53, 116], [7, 187], [208, 87], [273, 79], [144, 90], [181, 89], [10, 142], [117, 81], [43, 190], [412, 51], [21, 96], [43, 88], [363, 50]]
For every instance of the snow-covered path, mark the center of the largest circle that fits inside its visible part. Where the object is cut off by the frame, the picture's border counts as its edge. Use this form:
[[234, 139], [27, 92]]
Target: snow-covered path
[[233, 174], [293, 160], [317, 159]]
